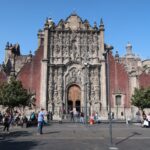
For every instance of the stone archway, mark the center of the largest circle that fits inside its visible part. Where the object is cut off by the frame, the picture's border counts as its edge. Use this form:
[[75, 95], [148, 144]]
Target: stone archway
[[74, 97]]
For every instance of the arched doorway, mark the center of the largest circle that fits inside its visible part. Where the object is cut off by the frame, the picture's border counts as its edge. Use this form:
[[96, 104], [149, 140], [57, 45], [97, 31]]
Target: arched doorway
[[74, 97]]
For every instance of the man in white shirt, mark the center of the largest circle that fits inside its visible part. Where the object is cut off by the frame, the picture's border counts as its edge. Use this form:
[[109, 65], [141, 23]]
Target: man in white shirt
[[41, 115]]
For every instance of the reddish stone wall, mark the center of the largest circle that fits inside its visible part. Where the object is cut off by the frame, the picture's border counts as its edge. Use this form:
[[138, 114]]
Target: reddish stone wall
[[144, 80], [30, 74], [3, 77], [119, 81]]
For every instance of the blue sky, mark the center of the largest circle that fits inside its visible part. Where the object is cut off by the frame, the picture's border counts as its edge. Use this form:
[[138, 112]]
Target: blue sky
[[124, 20]]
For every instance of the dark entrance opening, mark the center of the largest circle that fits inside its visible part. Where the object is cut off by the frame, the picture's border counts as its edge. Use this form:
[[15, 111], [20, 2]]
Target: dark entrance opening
[[74, 98], [70, 105], [78, 105]]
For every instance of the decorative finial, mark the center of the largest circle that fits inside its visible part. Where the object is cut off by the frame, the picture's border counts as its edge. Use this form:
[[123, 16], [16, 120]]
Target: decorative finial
[[7, 45], [117, 56], [30, 52], [86, 23], [30, 56], [46, 23], [129, 49], [101, 22], [101, 25], [74, 13], [40, 30], [95, 25]]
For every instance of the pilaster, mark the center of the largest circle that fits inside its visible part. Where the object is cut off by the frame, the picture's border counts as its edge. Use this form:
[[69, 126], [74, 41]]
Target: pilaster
[[103, 66], [44, 72]]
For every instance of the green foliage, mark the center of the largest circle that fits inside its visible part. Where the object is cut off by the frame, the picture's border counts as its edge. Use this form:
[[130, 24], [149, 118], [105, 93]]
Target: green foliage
[[13, 94], [141, 98]]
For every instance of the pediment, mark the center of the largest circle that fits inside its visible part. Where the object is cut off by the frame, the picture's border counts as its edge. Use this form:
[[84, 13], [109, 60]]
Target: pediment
[[74, 22]]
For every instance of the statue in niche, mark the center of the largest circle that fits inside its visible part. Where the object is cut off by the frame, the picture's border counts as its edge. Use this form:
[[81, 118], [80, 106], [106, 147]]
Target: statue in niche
[[60, 37], [55, 73], [59, 71], [92, 49], [55, 95], [73, 36], [76, 55], [92, 78], [58, 100], [57, 49], [92, 96], [96, 72], [68, 77], [55, 86], [72, 76], [55, 78], [84, 55], [65, 51], [60, 79], [72, 55], [50, 89], [79, 73], [73, 73], [90, 39], [96, 78], [92, 87], [56, 38], [95, 38]]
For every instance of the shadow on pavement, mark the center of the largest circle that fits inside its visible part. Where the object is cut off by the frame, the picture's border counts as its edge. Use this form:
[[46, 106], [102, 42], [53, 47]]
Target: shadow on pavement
[[125, 139], [53, 132], [14, 134], [17, 145]]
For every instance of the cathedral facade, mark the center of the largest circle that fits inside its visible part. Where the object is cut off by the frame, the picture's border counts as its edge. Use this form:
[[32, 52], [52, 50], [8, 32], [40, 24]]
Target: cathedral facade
[[72, 66], [69, 69]]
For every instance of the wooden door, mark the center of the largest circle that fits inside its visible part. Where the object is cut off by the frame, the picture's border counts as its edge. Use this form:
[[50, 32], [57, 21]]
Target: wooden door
[[74, 95]]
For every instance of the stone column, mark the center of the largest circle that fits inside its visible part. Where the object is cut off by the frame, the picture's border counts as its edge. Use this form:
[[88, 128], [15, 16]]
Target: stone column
[[44, 90], [103, 67]]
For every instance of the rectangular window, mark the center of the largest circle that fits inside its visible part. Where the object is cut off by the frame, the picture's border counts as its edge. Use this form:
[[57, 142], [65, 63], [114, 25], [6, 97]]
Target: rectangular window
[[118, 100]]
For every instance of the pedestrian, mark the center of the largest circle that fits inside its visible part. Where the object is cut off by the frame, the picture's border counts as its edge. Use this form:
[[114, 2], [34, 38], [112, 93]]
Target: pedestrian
[[48, 117], [148, 118], [41, 115], [82, 117], [1, 117], [32, 117], [6, 122], [71, 116], [25, 121]]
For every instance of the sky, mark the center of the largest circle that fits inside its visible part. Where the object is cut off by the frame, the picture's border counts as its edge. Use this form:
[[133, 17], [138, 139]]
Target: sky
[[125, 21]]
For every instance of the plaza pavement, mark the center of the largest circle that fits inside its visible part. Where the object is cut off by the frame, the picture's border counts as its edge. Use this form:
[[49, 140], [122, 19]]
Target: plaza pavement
[[75, 136]]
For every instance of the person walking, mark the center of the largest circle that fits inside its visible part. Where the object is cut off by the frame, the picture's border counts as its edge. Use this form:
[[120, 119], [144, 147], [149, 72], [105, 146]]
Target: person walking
[[41, 115], [6, 122], [71, 116]]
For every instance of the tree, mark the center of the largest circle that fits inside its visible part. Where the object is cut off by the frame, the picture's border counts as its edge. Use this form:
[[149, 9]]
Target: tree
[[141, 98], [12, 94]]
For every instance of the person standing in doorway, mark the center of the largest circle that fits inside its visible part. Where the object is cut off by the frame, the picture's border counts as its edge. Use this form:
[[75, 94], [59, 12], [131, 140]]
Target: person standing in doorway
[[41, 115]]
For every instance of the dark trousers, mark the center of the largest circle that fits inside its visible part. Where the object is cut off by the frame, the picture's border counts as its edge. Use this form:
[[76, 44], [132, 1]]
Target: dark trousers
[[40, 127], [6, 127]]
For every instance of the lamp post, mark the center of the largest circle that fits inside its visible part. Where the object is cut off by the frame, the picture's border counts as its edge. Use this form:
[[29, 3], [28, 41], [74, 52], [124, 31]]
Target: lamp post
[[85, 92], [108, 48]]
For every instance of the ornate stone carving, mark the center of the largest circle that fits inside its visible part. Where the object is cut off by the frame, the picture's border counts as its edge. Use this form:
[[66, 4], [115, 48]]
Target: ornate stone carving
[[70, 47]]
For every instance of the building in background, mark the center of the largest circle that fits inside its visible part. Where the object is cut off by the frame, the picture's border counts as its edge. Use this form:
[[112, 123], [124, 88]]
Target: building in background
[[68, 70]]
